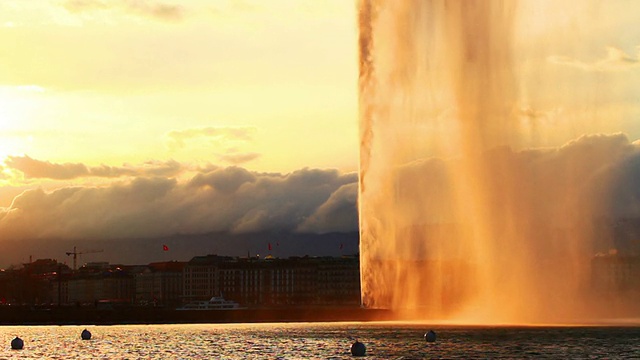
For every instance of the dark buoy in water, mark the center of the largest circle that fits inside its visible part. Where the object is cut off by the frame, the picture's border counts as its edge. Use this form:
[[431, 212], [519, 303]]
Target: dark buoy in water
[[358, 349], [85, 335], [430, 336], [17, 344]]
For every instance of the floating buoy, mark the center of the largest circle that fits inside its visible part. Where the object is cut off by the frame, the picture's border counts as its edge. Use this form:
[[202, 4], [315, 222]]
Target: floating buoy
[[86, 334], [430, 336], [358, 349], [17, 344]]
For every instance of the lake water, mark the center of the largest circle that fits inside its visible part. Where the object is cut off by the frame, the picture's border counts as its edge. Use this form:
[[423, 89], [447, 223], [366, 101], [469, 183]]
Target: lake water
[[319, 341]]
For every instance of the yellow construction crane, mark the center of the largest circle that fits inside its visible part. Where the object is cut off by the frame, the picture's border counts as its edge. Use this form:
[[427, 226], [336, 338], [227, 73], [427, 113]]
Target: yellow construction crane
[[75, 254]]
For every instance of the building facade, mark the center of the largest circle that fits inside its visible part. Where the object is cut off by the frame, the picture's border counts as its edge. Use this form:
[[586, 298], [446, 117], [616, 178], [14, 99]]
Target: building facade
[[273, 282], [160, 284], [252, 282], [201, 277], [90, 285]]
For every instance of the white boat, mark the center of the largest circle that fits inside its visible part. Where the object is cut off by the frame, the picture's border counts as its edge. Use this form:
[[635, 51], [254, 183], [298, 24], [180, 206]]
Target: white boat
[[215, 303]]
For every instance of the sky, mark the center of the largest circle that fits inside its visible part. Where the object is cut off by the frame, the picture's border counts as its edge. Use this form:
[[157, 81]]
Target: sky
[[146, 118], [225, 82], [123, 118]]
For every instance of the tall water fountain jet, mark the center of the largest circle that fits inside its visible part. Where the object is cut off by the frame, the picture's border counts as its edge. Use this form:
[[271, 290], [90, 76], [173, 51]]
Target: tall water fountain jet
[[459, 217]]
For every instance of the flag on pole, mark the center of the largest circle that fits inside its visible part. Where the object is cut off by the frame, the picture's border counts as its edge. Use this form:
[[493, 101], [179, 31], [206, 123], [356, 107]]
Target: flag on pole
[[165, 248]]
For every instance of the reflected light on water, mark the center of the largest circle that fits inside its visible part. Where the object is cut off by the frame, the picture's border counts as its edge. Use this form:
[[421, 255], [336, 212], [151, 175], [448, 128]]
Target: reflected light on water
[[384, 340]]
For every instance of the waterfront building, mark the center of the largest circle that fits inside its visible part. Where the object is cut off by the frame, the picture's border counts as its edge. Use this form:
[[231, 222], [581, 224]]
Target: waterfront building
[[93, 284], [200, 277], [339, 280], [273, 282], [252, 282], [31, 283], [160, 284]]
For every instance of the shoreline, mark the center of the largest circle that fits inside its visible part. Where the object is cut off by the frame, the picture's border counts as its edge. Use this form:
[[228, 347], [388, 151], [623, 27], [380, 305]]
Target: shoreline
[[131, 315], [25, 315]]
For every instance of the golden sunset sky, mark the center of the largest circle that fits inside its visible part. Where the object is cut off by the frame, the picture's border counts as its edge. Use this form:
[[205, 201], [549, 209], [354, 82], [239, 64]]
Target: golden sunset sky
[[271, 86], [241, 115], [267, 85]]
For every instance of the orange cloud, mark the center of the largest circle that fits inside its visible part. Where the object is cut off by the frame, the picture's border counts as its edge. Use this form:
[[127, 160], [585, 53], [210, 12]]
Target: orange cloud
[[37, 169]]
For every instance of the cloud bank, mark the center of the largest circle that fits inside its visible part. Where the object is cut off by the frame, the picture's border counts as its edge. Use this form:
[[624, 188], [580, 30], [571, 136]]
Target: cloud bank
[[230, 199], [599, 171], [37, 169]]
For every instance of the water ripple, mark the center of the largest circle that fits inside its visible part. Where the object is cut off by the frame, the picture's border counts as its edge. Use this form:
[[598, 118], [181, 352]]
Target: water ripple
[[318, 341]]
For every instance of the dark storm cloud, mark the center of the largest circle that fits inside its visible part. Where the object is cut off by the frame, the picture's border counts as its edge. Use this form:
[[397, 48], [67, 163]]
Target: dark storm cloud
[[37, 169], [224, 180], [336, 214], [285, 201], [223, 199], [600, 171]]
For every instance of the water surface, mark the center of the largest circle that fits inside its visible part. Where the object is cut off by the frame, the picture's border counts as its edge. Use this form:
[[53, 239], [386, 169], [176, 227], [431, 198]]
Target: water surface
[[319, 341]]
